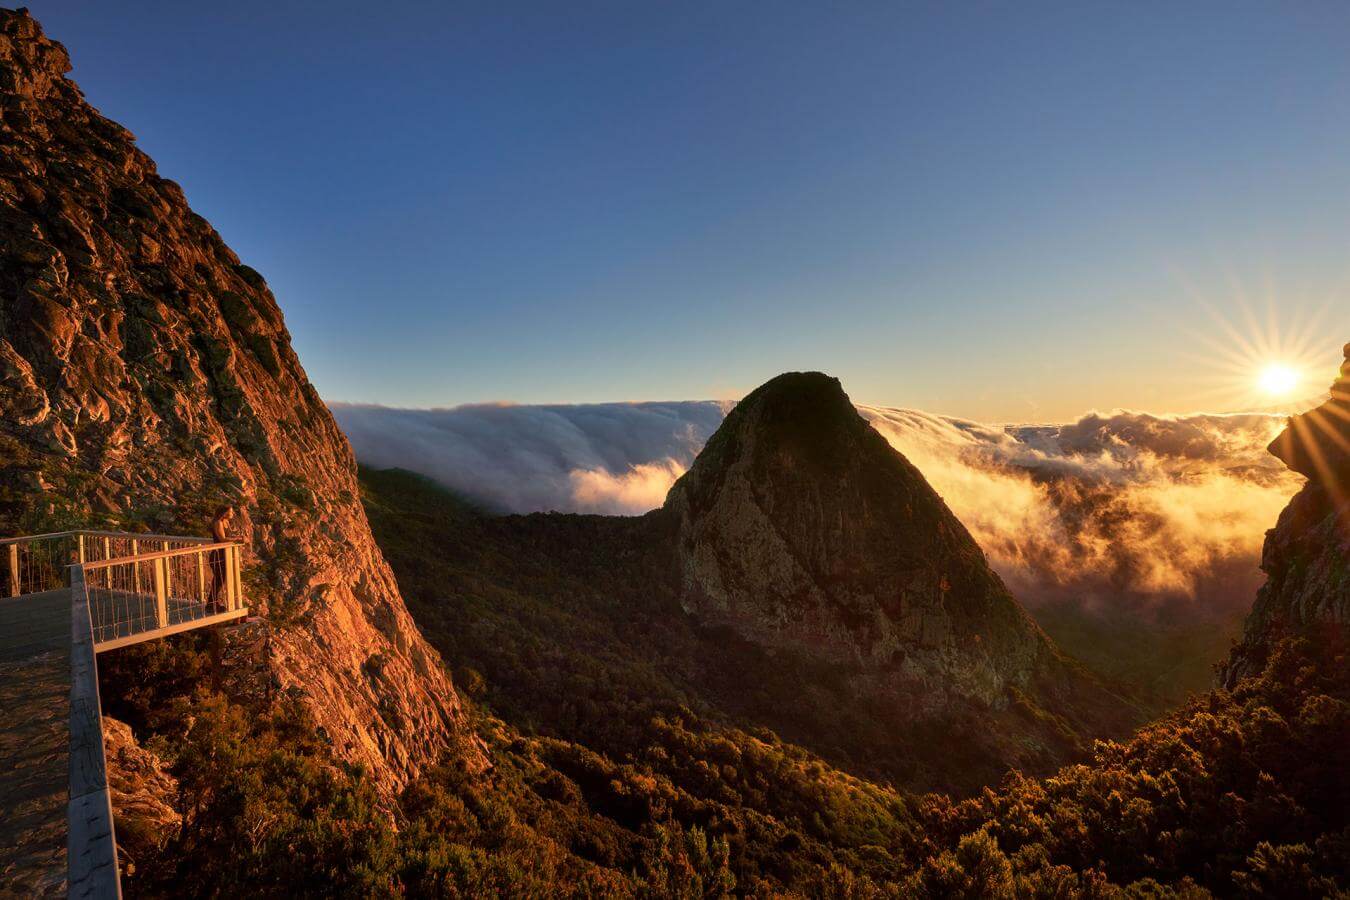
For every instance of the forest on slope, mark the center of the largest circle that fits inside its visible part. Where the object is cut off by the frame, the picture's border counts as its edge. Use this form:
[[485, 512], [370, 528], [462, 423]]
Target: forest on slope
[[607, 781]]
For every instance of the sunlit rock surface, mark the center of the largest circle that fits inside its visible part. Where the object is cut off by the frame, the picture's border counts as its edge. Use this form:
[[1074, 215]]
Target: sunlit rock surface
[[143, 792], [146, 377]]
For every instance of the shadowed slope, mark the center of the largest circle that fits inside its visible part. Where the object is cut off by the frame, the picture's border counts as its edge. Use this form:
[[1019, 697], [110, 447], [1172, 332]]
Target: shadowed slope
[[802, 528]]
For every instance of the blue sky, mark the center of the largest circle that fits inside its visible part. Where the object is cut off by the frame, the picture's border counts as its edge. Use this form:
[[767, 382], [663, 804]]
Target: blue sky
[[1004, 211]]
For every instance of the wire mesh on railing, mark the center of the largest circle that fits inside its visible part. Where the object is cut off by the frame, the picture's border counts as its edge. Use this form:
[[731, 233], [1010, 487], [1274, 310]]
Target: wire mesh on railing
[[118, 602], [137, 585], [161, 589], [32, 565]]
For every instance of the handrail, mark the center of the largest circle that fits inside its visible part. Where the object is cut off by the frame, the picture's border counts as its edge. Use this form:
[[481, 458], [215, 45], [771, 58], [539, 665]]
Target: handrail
[[147, 535], [136, 598], [158, 554], [138, 535], [91, 842], [23, 538], [38, 562], [135, 592]]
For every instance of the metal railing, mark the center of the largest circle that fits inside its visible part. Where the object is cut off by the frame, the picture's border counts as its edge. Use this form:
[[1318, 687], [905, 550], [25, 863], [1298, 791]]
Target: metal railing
[[162, 592], [35, 563], [138, 586], [123, 589]]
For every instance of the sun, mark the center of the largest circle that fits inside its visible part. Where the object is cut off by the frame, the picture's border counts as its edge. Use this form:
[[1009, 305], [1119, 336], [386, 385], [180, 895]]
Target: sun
[[1278, 380], [1271, 363]]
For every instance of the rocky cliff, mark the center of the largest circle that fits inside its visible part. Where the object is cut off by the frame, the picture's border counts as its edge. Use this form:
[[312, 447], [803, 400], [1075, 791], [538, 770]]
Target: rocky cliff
[[1307, 554], [146, 376], [800, 527]]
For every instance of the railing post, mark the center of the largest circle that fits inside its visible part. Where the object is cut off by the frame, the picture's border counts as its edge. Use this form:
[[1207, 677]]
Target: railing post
[[135, 569], [201, 575], [80, 540], [168, 571], [14, 570], [231, 575], [161, 598]]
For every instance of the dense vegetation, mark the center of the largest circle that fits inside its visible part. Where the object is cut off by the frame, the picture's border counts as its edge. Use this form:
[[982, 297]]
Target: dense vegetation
[[266, 811], [1240, 794], [544, 607], [619, 778], [1162, 655], [573, 624]]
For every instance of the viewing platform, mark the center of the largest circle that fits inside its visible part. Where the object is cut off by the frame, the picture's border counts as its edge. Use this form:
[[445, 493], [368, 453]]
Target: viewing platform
[[67, 597]]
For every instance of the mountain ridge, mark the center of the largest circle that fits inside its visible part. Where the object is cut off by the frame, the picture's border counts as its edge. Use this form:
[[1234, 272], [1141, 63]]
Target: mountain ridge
[[799, 525]]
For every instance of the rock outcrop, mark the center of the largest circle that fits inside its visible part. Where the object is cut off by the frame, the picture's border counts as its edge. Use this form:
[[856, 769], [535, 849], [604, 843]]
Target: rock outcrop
[[146, 377], [1317, 443], [801, 528], [1307, 554], [143, 792]]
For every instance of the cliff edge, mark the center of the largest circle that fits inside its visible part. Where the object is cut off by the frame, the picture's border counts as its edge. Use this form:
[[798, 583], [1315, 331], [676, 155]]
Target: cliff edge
[[146, 377]]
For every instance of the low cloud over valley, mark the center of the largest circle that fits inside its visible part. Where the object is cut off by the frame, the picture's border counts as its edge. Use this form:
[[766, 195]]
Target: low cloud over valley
[[1126, 509], [612, 458]]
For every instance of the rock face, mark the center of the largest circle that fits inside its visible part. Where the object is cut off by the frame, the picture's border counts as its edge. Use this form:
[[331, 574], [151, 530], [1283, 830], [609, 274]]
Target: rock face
[[142, 794], [146, 377], [1317, 443], [800, 527], [1307, 554]]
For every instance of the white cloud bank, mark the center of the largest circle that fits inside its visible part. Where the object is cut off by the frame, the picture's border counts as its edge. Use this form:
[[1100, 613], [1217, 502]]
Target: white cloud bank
[[614, 458], [1120, 508], [1124, 508]]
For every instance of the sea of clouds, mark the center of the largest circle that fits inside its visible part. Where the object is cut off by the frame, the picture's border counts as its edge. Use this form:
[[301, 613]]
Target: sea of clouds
[[612, 458], [1119, 508]]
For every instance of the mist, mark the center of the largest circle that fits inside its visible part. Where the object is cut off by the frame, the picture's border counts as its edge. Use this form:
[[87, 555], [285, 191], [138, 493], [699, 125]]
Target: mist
[[611, 458], [1125, 510]]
